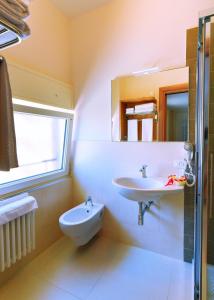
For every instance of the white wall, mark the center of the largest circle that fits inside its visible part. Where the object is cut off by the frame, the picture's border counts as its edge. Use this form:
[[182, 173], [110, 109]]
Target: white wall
[[33, 86], [96, 163], [48, 49], [116, 39]]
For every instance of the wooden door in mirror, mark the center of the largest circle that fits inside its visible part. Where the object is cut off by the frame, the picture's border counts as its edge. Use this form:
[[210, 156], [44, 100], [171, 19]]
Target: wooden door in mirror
[[164, 92]]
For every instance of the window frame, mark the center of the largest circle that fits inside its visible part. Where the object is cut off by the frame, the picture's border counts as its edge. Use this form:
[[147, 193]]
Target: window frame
[[36, 180]]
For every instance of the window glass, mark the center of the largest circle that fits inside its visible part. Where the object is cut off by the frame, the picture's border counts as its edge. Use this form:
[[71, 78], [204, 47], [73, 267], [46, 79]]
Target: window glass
[[41, 142]]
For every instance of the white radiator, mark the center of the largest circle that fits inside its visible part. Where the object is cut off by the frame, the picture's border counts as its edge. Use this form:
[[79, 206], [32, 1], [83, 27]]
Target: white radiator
[[17, 237]]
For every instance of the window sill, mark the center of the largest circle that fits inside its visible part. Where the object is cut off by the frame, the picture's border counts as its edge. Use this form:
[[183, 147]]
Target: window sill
[[32, 185]]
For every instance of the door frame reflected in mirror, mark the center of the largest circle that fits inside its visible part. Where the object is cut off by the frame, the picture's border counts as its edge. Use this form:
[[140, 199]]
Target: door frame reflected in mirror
[[163, 93]]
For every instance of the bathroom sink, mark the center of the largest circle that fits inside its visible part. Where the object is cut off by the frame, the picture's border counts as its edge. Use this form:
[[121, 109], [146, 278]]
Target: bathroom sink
[[142, 189]]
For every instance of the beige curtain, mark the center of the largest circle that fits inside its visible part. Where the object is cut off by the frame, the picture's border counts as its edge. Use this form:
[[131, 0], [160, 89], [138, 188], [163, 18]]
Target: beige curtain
[[8, 154]]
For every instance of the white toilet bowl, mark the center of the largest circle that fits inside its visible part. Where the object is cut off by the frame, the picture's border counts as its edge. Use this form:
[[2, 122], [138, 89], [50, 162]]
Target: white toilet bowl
[[82, 222]]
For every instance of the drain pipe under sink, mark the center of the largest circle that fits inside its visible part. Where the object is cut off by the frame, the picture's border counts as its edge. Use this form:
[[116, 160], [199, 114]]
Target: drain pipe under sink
[[143, 207]]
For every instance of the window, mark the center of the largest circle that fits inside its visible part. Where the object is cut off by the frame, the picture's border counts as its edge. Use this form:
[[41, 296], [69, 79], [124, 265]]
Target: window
[[42, 137]]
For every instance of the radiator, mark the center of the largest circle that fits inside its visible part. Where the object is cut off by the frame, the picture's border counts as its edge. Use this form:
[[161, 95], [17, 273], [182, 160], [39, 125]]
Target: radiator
[[17, 238]]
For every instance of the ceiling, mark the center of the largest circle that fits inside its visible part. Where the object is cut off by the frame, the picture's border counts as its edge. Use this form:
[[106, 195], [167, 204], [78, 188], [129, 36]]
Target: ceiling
[[73, 8]]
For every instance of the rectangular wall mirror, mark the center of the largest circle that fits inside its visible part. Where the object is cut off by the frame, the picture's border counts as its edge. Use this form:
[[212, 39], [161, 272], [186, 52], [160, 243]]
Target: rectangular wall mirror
[[151, 107]]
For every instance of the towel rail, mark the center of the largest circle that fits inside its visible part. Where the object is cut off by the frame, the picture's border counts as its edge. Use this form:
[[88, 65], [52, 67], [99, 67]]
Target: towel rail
[[3, 30]]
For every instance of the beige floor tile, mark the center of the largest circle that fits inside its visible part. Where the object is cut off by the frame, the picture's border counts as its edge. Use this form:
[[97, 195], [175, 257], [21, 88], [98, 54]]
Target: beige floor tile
[[102, 270], [77, 270], [141, 275], [181, 281], [24, 287]]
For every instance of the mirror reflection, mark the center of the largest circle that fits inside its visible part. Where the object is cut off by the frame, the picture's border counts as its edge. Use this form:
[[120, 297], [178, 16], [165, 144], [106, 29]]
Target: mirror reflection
[[151, 107]]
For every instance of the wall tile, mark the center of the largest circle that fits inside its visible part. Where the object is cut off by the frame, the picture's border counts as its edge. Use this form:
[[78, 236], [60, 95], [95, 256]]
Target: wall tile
[[53, 200], [191, 43], [191, 60], [163, 224]]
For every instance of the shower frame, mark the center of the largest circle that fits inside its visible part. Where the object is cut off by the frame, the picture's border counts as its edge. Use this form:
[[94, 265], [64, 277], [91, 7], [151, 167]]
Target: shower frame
[[202, 199]]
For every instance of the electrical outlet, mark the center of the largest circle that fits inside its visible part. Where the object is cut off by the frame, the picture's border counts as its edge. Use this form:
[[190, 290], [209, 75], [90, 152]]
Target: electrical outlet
[[180, 164]]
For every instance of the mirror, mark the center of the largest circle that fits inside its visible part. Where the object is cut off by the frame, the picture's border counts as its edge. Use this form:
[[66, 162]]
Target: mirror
[[151, 106]]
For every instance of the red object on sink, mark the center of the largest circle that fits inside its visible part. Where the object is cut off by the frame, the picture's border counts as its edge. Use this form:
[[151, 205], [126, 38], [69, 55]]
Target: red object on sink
[[171, 180]]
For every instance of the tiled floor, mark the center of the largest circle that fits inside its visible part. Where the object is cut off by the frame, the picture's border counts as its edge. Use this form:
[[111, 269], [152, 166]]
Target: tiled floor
[[103, 270]]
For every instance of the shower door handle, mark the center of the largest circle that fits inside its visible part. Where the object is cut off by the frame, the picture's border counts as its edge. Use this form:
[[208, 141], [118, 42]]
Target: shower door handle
[[211, 187]]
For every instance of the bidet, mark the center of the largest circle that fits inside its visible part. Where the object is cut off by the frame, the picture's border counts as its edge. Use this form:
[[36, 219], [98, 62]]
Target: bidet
[[82, 222]]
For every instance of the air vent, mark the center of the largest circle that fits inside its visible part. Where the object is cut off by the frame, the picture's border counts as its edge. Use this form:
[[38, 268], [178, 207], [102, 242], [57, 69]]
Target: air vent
[[9, 35]]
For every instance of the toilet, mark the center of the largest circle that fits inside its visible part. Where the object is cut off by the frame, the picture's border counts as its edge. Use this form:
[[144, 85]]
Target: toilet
[[82, 222]]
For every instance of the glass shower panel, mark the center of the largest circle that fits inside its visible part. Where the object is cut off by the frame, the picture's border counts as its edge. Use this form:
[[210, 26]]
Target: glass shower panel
[[209, 67], [204, 228]]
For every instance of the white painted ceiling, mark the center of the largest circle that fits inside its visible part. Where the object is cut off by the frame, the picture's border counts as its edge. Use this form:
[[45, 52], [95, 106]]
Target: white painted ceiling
[[76, 7]]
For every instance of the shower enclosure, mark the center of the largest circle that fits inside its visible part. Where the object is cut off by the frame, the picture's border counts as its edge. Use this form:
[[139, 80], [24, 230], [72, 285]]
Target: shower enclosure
[[204, 156]]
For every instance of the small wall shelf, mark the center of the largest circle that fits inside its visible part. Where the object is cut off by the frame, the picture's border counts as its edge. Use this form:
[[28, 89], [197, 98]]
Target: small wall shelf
[[124, 117]]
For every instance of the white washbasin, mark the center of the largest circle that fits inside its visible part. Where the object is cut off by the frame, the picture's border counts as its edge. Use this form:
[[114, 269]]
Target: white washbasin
[[142, 189]]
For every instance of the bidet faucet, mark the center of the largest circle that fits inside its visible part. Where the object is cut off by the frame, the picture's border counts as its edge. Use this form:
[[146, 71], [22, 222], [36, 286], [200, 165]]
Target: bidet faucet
[[89, 200], [143, 171]]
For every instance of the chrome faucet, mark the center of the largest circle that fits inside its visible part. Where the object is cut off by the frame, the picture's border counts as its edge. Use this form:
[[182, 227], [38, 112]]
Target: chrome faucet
[[89, 201], [143, 171]]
